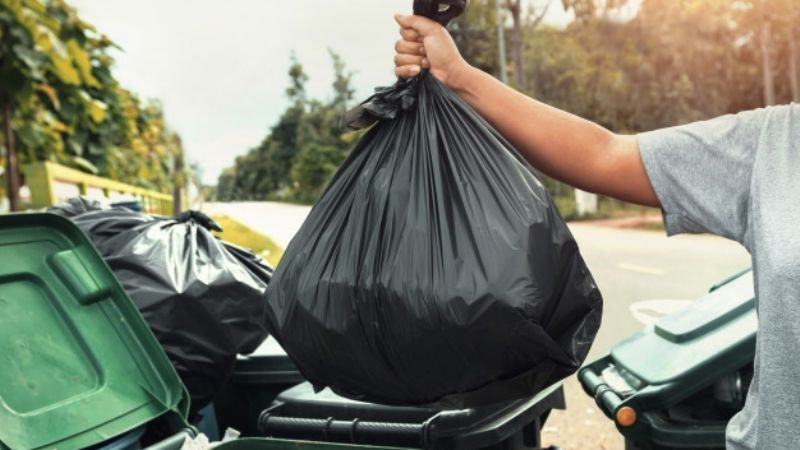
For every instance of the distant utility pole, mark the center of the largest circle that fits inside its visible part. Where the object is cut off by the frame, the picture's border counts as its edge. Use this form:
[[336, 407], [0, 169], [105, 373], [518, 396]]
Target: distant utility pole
[[794, 75], [501, 41], [180, 179], [766, 56], [12, 169]]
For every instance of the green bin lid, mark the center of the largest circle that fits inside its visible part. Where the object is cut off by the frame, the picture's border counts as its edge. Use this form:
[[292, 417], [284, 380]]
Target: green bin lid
[[711, 332], [79, 364]]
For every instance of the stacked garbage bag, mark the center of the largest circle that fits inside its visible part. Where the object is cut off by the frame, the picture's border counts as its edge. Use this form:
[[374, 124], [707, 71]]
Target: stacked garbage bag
[[203, 298], [435, 268]]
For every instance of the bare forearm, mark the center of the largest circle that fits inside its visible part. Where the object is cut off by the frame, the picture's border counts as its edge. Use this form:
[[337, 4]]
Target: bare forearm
[[560, 144]]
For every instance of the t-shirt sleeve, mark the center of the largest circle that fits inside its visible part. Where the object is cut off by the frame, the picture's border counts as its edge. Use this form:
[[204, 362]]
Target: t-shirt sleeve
[[702, 173]]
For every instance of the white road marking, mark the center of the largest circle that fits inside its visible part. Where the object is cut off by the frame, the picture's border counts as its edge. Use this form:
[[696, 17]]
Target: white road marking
[[641, 269], [648, 312]]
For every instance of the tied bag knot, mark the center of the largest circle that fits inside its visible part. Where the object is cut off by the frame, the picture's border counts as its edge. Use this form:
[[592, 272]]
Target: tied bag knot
[[388, 101], [385, 104], [199, 218]]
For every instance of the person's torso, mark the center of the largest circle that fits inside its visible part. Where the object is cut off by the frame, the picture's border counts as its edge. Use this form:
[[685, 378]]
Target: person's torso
[[771, 418]]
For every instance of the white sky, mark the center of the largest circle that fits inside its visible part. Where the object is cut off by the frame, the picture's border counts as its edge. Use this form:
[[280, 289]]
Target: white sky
[[219, 67]]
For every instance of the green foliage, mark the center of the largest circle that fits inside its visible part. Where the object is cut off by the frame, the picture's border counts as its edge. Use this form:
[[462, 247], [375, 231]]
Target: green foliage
[[673, 62], [666, 62], [475, 34], [55, 73], [567, 207], [303, 150], [313, 167], [240, 234]]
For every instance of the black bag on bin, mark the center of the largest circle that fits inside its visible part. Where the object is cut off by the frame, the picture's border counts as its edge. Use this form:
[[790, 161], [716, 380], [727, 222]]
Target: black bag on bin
[[204, 299], [435, 267]]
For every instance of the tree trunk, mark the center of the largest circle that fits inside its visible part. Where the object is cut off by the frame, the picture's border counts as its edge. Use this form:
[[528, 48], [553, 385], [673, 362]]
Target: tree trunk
[[12, 170], [180, 177], [766, 61], [501, 42], [794, 75], [517, 44]]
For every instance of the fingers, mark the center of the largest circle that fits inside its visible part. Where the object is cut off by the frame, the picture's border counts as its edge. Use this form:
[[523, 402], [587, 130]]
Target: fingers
[[410, 35], [409, 66], [409, 48], [421, 25], [408, 71], [402, 59], [411, 56]]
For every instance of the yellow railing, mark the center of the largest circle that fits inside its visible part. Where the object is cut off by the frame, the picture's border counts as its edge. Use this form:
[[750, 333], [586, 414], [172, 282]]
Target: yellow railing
[[50, 183]]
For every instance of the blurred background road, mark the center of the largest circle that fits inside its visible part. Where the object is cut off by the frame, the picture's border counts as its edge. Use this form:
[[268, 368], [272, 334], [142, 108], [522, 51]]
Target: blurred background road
[[643, 275]]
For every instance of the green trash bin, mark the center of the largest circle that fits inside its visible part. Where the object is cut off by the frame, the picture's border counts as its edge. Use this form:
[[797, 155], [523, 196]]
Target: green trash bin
[[80, 365], [676, 385]]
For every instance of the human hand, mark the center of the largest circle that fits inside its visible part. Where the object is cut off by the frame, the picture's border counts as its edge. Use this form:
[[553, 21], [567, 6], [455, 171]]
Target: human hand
[[426, 44]]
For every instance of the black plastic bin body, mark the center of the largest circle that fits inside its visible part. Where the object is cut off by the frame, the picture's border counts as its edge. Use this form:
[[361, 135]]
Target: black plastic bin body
[[300, 413], [256, 381]]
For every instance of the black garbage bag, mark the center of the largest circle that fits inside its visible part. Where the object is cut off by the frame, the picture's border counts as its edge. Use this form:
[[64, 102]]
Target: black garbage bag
[[435, 267], [203, 298], [76, 206]]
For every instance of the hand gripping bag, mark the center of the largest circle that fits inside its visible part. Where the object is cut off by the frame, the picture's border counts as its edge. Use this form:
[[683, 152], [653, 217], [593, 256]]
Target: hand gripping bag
[[435, 267]]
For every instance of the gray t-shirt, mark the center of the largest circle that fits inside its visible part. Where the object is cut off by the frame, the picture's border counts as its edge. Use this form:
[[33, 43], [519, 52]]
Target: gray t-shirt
[[738, 176]]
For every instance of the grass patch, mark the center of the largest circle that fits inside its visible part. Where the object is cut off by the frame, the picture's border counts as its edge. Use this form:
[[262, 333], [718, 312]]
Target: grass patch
[[240, 234]]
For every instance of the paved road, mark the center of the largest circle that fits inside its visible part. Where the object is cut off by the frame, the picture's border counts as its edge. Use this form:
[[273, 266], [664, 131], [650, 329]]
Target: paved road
[[280, 221], [634, 268], [642, 274]]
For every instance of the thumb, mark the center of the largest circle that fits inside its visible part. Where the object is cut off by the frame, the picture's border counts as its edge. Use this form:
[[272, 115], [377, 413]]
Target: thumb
[[422, 25]]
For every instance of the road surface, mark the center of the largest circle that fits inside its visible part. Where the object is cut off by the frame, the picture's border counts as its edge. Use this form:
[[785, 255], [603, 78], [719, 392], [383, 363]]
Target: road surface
[[642, 275], [280, 221]]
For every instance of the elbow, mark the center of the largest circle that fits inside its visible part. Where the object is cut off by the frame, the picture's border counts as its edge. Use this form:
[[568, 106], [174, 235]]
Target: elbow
[[619, 171], [605, 163]]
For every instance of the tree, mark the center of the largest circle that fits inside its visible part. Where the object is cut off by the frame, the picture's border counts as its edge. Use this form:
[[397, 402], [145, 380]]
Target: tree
[[792, 19], [476, 37], [312, 169], [766, 27], [586, 10], [302, 150], [794, 69], [668, 62], [180, 174], [518, 40], [61, 102], [342, 84], [24, 46], [766, 57], [297, 82], [226, 185]]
